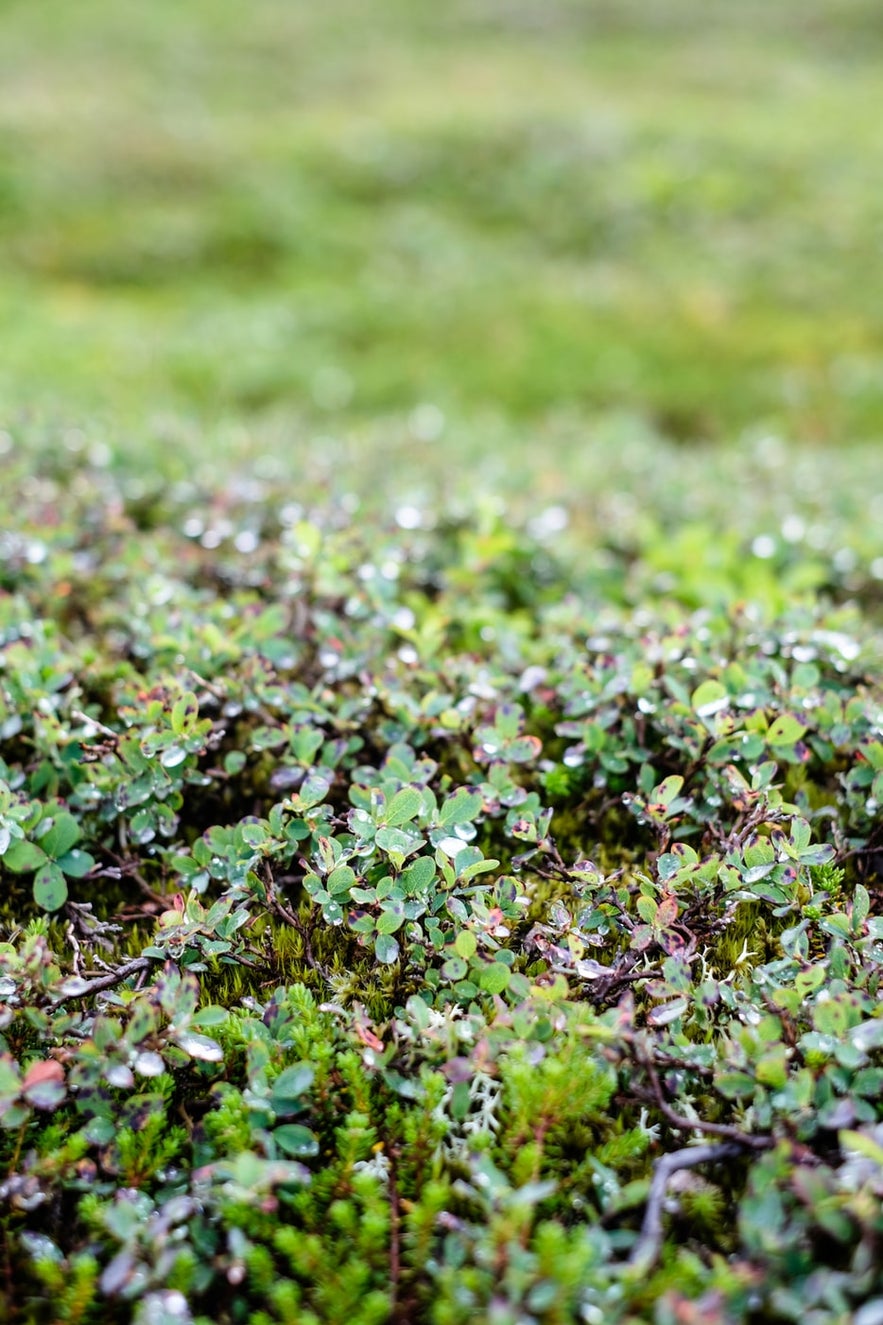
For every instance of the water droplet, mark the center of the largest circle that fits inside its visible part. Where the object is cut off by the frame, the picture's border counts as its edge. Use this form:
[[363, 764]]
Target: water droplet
[[246, 541], [793, 528], [764, 546], [409, 517], [549, 522]]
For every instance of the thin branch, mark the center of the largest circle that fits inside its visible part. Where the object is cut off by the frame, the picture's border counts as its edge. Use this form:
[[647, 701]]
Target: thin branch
[[134, 967], [95, 724], [129, 870], [645, 1252], [285, 913], [74, 942], [684, 1124]]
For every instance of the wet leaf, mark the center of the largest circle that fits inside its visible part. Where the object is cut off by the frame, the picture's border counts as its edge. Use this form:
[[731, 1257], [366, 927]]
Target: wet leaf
[[296, 1140]]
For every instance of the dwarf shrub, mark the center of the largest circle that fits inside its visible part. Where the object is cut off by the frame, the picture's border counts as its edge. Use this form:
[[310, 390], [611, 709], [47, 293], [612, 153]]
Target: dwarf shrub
[[433, 924]]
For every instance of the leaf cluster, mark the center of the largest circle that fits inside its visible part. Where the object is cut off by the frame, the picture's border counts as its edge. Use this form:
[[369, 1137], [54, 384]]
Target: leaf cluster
[[408, 923]]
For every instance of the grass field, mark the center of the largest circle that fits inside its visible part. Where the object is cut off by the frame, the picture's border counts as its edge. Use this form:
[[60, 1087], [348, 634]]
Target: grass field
[[307, 220]]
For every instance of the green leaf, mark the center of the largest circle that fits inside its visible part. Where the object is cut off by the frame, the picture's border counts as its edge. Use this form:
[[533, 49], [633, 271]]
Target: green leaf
[[759, 852], [313, 791], [389, 921], [758, 872], [461, 808], [234, 762], [647, 908], [22, 857], [820, 854], [418, 876], [58, 839], [211, 1015], [709, 698], [173, 756], [861, 906], [861, 1144], [523, 749], [340, 880], [50, 887], [76, 864], [296, 1139], [735, 1085], [184, 713], [494, 978], [466, 944], [290, 1085], [386, 949], [471, 871], [10, 1077], [403, 807], [396, 842], [508, 720], [800, 834], [667, 790], [454, 968], [785, 730]]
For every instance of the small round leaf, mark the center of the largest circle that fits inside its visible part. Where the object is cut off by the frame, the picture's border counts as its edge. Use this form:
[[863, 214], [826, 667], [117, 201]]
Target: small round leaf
[[50, 887], [386, 949]]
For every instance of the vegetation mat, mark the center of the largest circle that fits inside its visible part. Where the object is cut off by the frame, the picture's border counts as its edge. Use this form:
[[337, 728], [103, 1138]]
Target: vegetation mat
[[439, 916], [441, 721]]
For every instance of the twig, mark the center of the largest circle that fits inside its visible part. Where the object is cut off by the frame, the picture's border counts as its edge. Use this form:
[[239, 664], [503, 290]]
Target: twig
[[684, 1124], [129, 870], [94, 723], [72, 939], [136, 966], [645, 1252], [285, 913]]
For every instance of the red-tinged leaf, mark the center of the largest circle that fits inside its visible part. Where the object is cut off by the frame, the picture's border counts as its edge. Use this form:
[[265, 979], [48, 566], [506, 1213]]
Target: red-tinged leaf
[[523, 749], [667, 911], [43, 1085], [46, 1069]]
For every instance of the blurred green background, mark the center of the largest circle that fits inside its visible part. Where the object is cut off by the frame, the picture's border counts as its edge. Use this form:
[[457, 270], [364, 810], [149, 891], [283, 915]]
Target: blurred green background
[[517, 216]]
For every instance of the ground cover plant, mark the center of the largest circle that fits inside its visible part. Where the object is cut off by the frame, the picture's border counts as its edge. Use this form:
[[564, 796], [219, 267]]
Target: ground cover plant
[[424, 919], [441, 722]]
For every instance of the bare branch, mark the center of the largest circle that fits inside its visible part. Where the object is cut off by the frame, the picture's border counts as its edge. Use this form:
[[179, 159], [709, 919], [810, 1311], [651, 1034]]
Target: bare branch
[[684, 1124], [109, 981], [95, 725], [645, 1252]]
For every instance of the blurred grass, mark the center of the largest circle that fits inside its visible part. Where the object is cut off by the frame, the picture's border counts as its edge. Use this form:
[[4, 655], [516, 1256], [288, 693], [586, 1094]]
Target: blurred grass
[[246, 216]]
